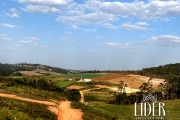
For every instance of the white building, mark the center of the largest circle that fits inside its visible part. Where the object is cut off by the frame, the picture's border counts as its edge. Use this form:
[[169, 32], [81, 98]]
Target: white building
[[87, 80], [84, 80]]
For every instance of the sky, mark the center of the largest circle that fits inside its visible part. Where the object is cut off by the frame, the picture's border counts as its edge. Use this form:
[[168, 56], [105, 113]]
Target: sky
[[90, 34]]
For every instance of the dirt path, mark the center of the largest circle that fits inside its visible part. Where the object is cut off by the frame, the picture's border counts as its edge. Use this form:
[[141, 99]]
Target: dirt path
[[67, 113], [49, 103], [63, 111], [82, 96]]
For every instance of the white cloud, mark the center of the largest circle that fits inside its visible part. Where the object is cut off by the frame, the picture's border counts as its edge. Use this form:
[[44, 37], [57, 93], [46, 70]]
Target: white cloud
[[136, 26], [4, 37], [26, 41], [140, 9], [66, 39], [29, 40], [75, 27], [7, 25], [46, 2], [109, 25], [89, 18], [90, 30], [44, 6], [14, 15], [14, 10], [44, 46], [40, 9], [103, 13], [97, 11], [143, 36], [165, 40], [141, 24], [119, 45], [98, 37]]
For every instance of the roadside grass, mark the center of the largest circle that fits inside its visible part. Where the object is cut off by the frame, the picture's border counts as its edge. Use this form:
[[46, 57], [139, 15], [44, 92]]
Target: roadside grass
[[172, 108], [63, 84], [23, 110], [31, 92], [102, 95]]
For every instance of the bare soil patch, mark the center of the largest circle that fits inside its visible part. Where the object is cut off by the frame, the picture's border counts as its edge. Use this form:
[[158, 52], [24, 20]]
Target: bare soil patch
[[133, 81], [77, 87]]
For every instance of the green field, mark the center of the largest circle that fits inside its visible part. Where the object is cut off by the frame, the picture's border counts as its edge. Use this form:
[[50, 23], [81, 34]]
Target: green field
[[84, 75], [62, 83]]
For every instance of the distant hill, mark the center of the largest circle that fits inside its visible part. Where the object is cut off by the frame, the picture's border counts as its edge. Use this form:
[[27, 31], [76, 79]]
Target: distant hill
[[162, 71], [8, 69]]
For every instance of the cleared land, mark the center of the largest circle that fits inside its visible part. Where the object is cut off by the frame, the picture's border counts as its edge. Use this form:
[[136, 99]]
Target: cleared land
[[77, 87], [133, 81]]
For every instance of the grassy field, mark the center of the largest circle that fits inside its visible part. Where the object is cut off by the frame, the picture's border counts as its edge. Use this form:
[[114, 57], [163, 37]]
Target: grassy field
[[84, 75], [62, 83], [98, 99]]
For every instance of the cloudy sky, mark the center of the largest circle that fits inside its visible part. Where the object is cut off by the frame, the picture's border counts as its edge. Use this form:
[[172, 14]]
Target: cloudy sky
[[90, 34]]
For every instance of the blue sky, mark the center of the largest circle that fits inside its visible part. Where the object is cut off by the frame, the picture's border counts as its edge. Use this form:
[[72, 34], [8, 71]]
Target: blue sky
[[90, 34]]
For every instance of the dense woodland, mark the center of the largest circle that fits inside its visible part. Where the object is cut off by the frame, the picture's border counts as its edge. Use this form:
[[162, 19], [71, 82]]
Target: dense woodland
[[162, 71]]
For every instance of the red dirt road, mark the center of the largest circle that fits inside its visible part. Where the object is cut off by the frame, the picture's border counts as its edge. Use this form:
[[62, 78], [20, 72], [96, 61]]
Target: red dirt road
[[67, 113]]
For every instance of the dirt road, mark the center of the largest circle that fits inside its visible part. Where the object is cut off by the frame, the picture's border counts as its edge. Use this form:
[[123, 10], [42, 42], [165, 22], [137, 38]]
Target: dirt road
[[63, 111], [49, 103], [67, 113]]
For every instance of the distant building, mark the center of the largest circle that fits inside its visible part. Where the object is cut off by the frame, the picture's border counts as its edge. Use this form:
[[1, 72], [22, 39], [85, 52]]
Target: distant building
[[87, 80], [84, 80]]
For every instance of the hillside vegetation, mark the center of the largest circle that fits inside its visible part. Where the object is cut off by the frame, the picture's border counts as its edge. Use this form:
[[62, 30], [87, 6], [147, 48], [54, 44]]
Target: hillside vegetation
[[162, 71], [13, 69]]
